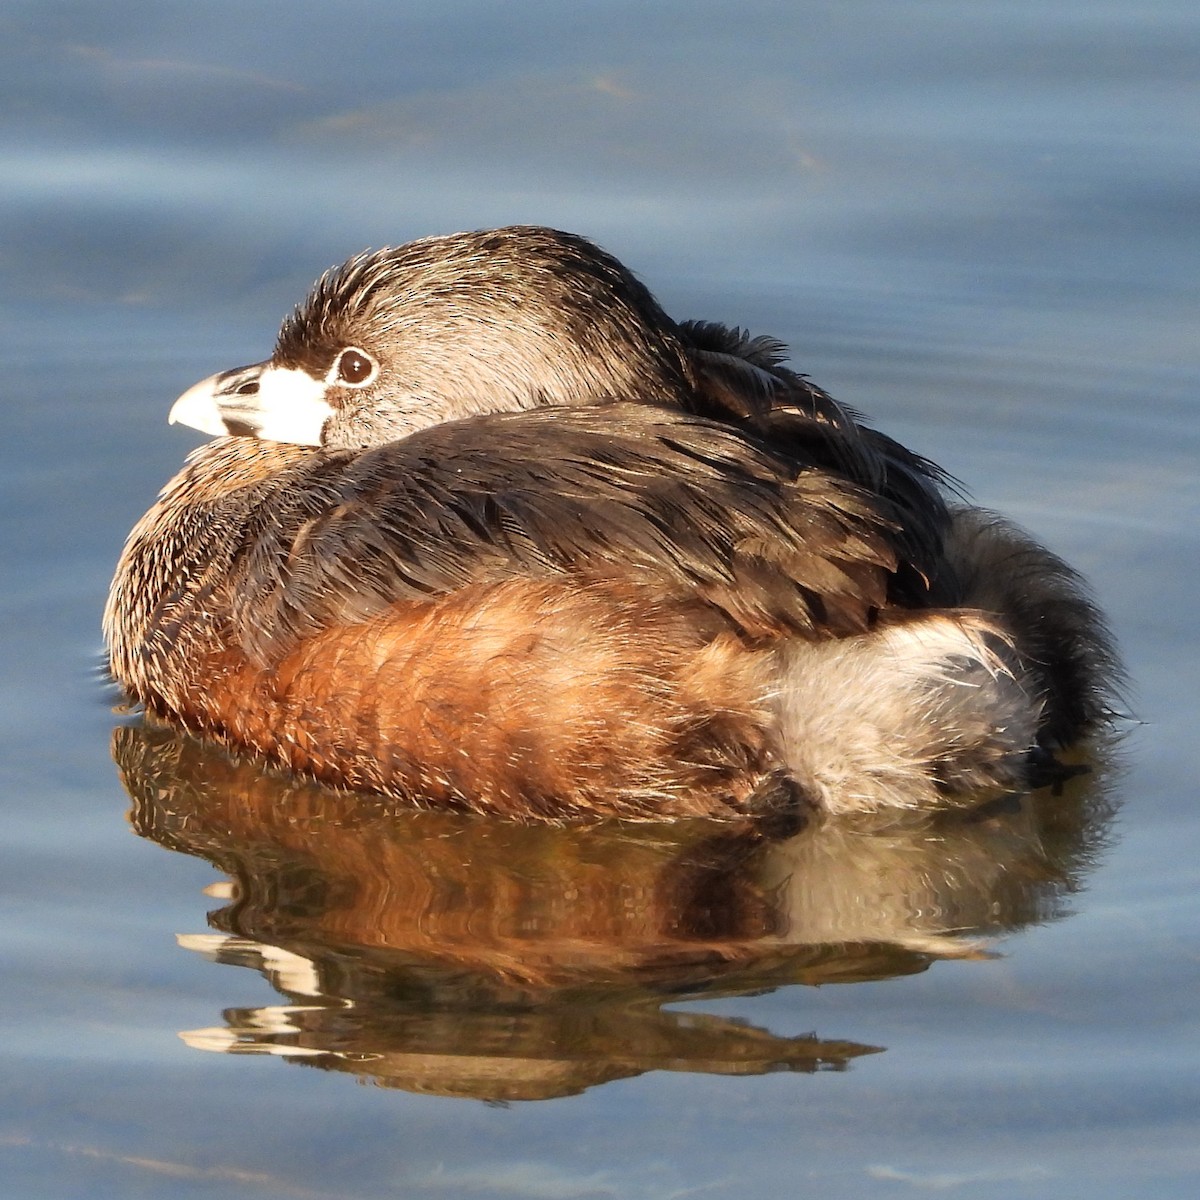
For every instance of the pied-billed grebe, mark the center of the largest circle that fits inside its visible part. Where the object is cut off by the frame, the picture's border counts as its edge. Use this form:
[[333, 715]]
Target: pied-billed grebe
[[490, 531]]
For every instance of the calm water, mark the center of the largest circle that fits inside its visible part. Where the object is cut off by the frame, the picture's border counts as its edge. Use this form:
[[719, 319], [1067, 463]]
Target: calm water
[[975, 221]]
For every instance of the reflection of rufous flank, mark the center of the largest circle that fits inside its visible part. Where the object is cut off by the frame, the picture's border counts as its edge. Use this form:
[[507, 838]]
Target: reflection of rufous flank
[[470, 956], [545, 906]]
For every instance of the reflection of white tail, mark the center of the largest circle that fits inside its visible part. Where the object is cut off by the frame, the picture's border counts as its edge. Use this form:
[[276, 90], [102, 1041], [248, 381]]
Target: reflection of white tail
[[948, 702]]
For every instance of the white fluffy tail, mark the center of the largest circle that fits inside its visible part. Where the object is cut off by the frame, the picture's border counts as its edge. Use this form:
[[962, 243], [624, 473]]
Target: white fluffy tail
[[907, 716]]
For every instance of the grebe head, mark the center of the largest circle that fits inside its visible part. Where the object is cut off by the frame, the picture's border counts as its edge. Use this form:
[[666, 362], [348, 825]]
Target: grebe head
[[399, 339]]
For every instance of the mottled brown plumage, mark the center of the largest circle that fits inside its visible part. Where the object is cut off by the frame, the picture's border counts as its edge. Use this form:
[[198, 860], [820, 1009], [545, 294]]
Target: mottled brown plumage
[[495, 533]]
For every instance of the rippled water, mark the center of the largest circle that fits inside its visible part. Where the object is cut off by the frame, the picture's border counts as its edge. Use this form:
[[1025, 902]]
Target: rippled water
[[977, 222]]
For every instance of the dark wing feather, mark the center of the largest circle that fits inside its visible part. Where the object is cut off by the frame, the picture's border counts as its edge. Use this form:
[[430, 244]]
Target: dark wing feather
[[741, 379], [690, 507]]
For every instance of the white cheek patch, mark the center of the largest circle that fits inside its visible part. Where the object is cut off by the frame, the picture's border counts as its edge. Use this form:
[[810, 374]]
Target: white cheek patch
[[291, 407], [288, 406]]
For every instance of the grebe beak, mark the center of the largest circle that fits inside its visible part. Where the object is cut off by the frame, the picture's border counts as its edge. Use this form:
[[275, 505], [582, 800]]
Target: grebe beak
[[280, 404]]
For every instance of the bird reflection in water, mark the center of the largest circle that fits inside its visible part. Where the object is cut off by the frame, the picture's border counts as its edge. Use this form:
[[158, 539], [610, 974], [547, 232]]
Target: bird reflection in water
[[463, 956]]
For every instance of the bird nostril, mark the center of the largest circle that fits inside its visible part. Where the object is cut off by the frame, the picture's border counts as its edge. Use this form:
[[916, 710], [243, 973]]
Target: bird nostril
[[249, 388]]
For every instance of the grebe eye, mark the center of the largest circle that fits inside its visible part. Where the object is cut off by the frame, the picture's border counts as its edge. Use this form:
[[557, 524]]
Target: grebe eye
[[353, 367]]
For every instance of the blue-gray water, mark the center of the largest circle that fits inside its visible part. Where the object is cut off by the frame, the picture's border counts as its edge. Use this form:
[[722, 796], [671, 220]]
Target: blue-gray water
[[976, 222]]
